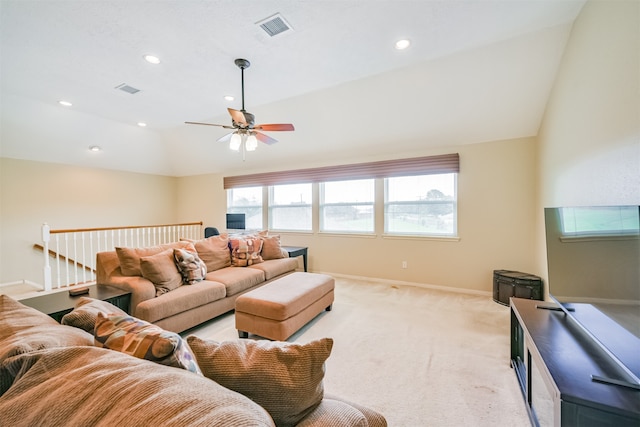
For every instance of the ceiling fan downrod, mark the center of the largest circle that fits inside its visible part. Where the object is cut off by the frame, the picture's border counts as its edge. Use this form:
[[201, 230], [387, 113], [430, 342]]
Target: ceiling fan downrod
[[242, 64]]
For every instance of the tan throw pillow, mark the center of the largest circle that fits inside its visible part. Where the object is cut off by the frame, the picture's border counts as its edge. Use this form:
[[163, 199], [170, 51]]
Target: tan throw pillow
[[191, 267], [245, 251], [161, 270], [86, 311], [130, 257], [214, 251], [271, 248], [143, 340], [284, 378]]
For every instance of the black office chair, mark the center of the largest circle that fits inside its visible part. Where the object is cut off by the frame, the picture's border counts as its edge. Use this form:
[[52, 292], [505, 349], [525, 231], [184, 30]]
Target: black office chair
[[211, 231]]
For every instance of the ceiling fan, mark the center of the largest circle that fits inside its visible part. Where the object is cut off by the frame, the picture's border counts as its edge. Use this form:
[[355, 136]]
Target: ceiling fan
[[246, 133]]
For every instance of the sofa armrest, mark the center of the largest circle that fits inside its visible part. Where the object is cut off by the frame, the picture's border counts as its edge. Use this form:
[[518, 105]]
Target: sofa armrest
[[108, 273]]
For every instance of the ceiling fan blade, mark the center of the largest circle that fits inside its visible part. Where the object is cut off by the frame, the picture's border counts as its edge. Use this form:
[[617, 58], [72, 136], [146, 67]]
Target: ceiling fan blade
[[237, 116], [265, 138], [225, 138], [275, 127], [210, 124]]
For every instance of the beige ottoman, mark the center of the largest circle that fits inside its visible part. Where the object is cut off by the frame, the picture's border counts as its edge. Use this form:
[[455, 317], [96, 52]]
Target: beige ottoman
[[278, 309]]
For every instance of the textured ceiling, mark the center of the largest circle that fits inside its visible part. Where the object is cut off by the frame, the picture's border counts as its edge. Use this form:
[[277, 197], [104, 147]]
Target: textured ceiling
[[476, 71]]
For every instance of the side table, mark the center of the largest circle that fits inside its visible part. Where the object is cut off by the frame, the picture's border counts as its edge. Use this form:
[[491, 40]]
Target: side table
[[295, 251], [57, 304]]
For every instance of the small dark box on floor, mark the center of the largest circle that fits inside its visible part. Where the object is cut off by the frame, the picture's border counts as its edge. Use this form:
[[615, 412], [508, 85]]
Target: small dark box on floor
[[508, 284]]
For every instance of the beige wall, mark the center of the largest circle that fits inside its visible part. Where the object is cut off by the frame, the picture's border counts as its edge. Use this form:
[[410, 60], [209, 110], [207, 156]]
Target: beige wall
[[589, 142], [495, 192], [32, 193]]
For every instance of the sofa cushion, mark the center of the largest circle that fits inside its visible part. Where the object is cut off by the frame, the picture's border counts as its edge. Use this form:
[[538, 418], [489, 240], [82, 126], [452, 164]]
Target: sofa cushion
[[276, 267], [143, 340], [284, 378], [90, 386], [214, 251], [236, 279], [180, 300], [86, 311], [271, 247], [191, 267], [24, 329], [245, 250], [130, 257], [161, 270]]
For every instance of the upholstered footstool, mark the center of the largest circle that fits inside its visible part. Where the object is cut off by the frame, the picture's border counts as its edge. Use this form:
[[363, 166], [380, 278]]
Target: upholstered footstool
[[278, 309]]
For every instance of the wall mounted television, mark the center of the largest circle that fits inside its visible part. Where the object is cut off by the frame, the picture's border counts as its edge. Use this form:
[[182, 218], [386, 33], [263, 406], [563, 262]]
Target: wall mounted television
[[236, 221], [593, 257]]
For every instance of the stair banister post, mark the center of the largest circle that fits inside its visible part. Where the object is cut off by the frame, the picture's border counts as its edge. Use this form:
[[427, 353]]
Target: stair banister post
[[46, 235]]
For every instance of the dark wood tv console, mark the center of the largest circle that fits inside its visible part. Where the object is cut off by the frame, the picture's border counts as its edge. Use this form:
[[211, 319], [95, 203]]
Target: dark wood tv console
[[555, 359]]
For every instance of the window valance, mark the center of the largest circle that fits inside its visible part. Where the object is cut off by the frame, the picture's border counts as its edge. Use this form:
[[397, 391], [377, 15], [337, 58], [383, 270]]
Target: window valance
[[446, 163]]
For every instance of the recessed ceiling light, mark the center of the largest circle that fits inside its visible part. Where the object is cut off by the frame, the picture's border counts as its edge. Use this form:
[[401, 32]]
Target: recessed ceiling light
[[142, 124], [152, 59], [402, 44], [65, 103], [228, 98], [95, 148]]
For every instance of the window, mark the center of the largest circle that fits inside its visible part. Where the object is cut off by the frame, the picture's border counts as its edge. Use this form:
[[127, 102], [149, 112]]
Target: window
[[246, 200], [290, 207], [600, 221], [423, 205], [347, 206]]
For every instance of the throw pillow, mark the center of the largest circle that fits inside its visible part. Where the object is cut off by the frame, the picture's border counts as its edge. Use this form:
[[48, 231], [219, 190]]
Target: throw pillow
[[214, 251], [86, 311], [130, 257], [161, 270], [144, 340], [271, 248], [245, 251], [284, 378], [191, 267]]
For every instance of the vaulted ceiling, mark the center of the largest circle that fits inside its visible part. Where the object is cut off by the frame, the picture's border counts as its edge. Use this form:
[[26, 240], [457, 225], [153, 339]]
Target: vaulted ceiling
[[476, 71]]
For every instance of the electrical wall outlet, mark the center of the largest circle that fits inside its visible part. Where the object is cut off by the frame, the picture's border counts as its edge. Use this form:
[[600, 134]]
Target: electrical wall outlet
[[404, 264]]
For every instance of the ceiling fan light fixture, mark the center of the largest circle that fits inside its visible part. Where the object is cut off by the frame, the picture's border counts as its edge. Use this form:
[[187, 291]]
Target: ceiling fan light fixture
[[235, 142], [151, 59], [251, 143], [229, 98], [403, 44]]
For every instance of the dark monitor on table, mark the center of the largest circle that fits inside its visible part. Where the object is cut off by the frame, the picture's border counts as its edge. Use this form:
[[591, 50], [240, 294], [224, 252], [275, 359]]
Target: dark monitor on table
[[235, 221]]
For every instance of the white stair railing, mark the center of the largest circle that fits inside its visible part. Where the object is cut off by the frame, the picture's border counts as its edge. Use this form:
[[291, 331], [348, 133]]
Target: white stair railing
[[74, 251]]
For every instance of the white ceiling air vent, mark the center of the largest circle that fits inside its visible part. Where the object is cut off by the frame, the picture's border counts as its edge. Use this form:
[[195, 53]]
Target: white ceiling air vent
[[274, 25], [126, 88]]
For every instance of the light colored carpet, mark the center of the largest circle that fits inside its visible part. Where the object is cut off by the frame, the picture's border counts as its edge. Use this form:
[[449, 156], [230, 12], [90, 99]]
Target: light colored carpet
[[420, 356]]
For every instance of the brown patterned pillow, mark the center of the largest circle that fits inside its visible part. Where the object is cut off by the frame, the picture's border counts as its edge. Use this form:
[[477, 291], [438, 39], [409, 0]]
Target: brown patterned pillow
[[191, 267], [214, 251], [86, 311], [143, 340], [284, 378], [161, 270], [245, 251]]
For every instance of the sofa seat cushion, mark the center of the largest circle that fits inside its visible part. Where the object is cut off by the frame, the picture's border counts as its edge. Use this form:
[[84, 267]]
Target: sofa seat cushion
[[237, 279], [179, 300], [277, 267], [91, 386]]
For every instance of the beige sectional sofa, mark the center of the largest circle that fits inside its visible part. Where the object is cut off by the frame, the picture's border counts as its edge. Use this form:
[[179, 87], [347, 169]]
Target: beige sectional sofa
[[66, 375], [159, 295]]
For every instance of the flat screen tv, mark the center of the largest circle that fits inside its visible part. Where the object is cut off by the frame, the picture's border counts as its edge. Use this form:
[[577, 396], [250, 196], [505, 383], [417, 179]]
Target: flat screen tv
[[235, 221], [593, 257]]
